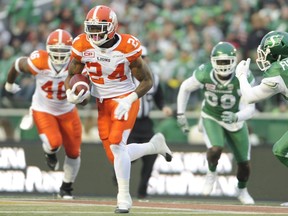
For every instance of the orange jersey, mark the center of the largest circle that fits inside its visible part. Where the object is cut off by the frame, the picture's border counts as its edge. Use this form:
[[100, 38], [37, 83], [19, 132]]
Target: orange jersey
[[108, 69], [49, 95]]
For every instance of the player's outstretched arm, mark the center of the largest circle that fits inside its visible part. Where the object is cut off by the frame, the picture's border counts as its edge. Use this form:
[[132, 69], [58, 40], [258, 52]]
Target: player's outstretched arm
[[257, 93], [18, 67]]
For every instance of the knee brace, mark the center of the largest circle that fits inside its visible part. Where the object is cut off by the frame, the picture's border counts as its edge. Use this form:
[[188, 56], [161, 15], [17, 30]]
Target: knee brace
[[213, 155], [243, 171]]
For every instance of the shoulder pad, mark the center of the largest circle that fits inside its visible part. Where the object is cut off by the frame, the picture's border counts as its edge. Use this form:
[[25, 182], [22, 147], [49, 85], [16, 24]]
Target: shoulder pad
[[39, 58]]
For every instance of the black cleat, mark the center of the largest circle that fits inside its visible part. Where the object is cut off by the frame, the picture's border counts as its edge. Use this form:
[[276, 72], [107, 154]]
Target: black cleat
[[168, 157], [121, 211], [65, 191], [52, 161]]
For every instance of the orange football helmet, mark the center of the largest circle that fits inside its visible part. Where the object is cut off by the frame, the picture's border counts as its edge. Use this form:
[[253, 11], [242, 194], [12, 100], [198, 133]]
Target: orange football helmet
[[58, 46], [100, 25]]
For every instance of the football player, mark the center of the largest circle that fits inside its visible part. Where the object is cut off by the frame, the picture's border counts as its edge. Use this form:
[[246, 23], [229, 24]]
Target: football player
[[110, 59], [272, 59], [223, 115], [57, 120]]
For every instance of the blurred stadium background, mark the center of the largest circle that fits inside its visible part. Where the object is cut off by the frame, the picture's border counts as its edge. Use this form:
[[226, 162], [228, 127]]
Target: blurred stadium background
[[179, 36]]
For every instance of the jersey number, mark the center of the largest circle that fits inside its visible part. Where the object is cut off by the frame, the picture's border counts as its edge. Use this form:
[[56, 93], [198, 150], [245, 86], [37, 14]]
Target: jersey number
[[227, 101], [47, 87], [95, 72]]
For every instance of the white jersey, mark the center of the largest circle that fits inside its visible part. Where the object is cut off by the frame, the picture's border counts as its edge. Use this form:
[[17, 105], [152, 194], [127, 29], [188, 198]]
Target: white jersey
[[108, 69], [49, 95]]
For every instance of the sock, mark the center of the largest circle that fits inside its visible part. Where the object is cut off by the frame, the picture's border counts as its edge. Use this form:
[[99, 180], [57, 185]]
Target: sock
[[242, 185], [123, 186], [71, 168], [122, 163], [136, 150], [212, 168]]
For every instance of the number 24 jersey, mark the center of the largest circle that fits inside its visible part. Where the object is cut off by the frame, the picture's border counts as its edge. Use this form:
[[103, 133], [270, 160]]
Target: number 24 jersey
[[108, 68]]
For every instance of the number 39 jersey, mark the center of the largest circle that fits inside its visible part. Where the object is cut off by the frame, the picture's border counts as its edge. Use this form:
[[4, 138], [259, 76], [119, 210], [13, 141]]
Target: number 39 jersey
[[49, 95], [108, 68], [219, 96]]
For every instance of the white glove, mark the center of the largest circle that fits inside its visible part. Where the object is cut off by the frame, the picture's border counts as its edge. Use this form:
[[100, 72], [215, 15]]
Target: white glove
[[229, 117], [124, 105], [12, 87], [242, 68], [183, 123], [75, 99]]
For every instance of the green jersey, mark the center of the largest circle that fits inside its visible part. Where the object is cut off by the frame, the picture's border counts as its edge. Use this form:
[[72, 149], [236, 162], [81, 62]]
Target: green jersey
[[271, 76], [219, 95]]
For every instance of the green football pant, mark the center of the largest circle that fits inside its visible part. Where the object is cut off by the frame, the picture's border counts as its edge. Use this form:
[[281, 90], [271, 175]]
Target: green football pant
[[238, 141], [280, 149]]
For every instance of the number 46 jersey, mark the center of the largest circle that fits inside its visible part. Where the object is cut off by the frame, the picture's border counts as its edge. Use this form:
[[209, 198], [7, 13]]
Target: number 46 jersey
[[49, 95], [108, 68], [218, 95]]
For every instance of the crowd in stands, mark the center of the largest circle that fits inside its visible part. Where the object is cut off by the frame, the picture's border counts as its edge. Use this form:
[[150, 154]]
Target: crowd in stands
[[178, 34]]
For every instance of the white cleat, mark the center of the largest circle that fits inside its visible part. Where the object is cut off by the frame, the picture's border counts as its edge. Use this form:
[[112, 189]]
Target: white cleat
[[284, 204], [158, 140], [244, 197], [210, 179], [124, 203]]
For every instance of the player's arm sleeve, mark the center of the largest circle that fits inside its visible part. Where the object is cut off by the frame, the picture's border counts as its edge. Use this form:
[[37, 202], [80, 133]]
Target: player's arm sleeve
[[189, 85], [246, 111], [257, 93]]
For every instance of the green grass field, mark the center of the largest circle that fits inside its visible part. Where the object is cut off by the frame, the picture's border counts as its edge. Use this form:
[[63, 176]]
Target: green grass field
[[48, 206]]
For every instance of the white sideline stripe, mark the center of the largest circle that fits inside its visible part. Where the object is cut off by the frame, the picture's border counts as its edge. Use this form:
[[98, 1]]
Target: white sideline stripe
[[179, 211], [198, 212]]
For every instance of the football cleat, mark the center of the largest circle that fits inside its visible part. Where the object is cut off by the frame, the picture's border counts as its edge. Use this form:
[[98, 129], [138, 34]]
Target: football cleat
[[65, 191], [284, 204], [52, 161], [210, 179], [244, 197], [124, 203], [158, 141], [121, 211]]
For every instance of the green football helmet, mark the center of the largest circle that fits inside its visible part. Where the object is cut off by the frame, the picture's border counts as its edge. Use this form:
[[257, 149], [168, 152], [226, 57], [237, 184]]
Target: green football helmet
[[273, 47], [223, 58]]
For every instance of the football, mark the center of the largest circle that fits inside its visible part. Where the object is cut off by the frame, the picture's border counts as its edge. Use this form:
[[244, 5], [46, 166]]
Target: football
[[82, 82]]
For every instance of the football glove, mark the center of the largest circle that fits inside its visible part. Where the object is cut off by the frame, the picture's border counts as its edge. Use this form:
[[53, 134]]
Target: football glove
[[124, 105], [12, 87], [229, 117], [75, 99], [183, 123], [242, 68]]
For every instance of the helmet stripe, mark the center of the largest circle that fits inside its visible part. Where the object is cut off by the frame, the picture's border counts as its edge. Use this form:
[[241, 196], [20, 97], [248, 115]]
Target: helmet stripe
[[60, 36], [95, 12]]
